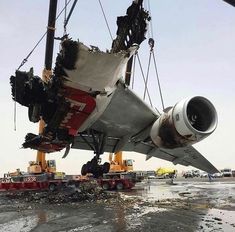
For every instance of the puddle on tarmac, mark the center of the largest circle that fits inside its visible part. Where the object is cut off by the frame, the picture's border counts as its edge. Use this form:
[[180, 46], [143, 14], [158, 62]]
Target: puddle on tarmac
[[155, 191], [144, 209], [80, 228], [45, 216], [218, 220], [23, 224], [26, 223], [219, 193], [134, 220]]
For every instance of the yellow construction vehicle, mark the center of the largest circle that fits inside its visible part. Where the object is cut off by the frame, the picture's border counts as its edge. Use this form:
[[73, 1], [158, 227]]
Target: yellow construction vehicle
[[117, 164], [166, 172], [16, 173], [122, 168], [35, 167]]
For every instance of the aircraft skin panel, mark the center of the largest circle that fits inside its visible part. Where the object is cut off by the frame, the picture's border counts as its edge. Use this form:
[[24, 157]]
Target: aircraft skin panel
[[96, 70], [125, 115]]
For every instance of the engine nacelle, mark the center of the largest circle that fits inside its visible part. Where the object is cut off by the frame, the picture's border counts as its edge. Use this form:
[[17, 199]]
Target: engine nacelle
[[188, 122]]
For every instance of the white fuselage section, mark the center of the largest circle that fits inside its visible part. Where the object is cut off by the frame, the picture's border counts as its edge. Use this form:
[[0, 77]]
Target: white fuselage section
[[97, 71]]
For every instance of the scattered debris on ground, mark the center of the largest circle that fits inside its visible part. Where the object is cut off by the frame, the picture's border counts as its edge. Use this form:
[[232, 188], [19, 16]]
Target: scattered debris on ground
[[188, 210], [86, 192]]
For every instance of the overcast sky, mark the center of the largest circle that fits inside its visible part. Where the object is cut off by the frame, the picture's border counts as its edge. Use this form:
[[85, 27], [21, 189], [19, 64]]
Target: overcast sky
[[195, 52]]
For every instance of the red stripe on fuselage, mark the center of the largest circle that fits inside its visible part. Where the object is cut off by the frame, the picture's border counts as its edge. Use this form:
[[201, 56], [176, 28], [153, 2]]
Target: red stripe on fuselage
[[82, 105]]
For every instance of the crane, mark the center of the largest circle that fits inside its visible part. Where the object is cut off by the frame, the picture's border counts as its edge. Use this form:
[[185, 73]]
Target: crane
[[41, 164], [117, 164]]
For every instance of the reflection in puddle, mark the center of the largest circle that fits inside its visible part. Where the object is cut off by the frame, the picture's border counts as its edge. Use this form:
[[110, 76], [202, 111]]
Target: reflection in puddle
[[222, 192], [157, 191], [206, 197], [42, 216]]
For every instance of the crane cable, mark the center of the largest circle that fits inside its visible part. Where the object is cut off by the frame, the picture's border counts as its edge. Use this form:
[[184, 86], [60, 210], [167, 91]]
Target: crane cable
[[158, 80], [147, 90], [150, 32], [70, 12], [133, 71], [26, 59], [151, 53], [142, 72], [65, 18], [30, 53], [149, 62], [151, 44], [106, 21]]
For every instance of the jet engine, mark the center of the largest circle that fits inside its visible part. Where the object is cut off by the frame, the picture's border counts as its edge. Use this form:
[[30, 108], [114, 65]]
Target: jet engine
[[188, 122]]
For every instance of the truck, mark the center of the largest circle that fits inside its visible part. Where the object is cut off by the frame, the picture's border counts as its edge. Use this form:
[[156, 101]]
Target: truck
[[166, 173], [50, 182], [227, 172], [114, 181], [25, 181]]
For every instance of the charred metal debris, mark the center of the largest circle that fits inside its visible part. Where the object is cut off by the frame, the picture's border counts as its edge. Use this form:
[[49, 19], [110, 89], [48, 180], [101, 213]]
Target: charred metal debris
[[131, 27], [47, 100]]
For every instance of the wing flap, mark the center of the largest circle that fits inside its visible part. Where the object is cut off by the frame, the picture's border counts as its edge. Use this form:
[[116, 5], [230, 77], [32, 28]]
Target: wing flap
[[187, 156]]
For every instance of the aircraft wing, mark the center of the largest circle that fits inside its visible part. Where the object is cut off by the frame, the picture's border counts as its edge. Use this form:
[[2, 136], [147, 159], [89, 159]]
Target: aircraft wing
[[126, 123], [185, 156]]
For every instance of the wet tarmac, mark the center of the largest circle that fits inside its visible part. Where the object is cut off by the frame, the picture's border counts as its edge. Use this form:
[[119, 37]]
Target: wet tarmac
[[154, 205]]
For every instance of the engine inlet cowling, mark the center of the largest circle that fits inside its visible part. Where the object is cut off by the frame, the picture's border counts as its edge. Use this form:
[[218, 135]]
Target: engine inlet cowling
[[188, 122]]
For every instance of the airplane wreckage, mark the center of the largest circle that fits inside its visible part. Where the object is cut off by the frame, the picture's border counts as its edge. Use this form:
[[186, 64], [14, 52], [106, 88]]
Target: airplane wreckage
[[86, 104]]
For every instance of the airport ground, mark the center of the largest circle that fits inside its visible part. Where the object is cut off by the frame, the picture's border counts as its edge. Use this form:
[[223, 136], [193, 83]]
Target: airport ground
[[153, 205]]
